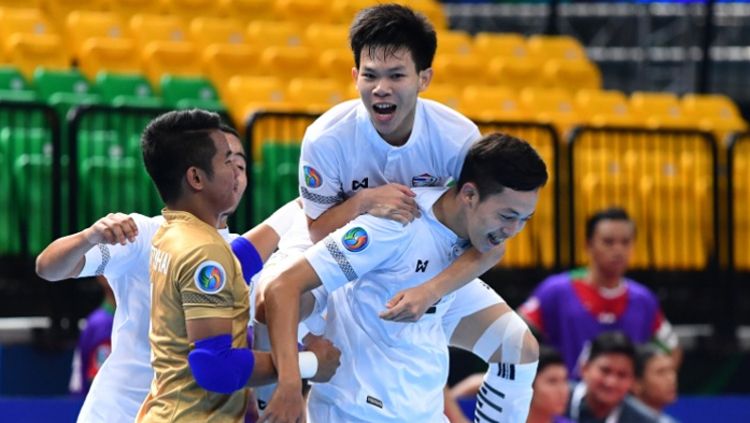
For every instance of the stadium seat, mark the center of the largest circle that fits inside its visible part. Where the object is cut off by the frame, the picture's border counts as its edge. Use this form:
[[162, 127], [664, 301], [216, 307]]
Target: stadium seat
[[148, 28], [714, 112], [222, 61], [247, 94], [126, 90], [169, 58], [32, 179], [322, 37], [190, 9], [108, 55], [261, 34], [184, 93], [343, 11], [207, 31], [128, 8], [82, 26], [314, 95], [247, 10], [457, 69], [491, 103], [741, 204], [337, 64], [551, 105], [22, 21], [29, 52], [111, 184], [13, 86], [454, 42], [20, 4], [659, 110], [572, 75], [64, 89], [490, 44], [277, 175], [561, 47], [287, 62], [432, 9], [447, 94], [514, 73], [600, 108], [58, 10], [302, 10]]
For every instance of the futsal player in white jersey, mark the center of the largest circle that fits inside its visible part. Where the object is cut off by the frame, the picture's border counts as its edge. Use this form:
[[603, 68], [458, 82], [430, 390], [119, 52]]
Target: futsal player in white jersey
[[118, 246], [394, 371]]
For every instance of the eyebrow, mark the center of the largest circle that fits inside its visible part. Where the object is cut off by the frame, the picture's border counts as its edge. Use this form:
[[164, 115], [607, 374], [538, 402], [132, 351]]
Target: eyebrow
[[516, 213], [241, 154], [393, 69]]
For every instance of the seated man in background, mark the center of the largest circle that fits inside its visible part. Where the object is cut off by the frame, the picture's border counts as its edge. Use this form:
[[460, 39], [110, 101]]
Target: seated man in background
[[608, 376], [571, 308], [655, 380]]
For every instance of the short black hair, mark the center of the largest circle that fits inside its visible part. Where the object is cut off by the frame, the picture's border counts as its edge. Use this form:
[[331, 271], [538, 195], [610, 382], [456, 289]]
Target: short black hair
[[393, 27], [612, 342], [548, 356], [611, 213], [229, 130], [498, 161], [174, 142], [643, 354]]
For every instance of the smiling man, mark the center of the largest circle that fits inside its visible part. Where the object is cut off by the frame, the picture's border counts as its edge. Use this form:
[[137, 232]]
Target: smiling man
[[393, 371]]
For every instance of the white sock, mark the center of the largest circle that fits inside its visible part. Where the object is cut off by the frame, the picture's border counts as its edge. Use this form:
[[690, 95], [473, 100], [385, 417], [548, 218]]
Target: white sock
[[505, 394]]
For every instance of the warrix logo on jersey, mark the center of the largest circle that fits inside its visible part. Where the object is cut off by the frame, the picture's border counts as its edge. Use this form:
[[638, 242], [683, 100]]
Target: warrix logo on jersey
[[425, 180]]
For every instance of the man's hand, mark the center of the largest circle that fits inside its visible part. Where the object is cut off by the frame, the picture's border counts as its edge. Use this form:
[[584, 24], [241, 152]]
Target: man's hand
[[410, 304], [286, 405], [391, 201], [112, 229], [327, 354]]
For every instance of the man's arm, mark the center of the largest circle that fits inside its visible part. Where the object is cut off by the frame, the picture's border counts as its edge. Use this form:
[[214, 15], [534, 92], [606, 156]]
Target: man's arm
[[391, 201], [410, 304], [282, 298], [64, 257]]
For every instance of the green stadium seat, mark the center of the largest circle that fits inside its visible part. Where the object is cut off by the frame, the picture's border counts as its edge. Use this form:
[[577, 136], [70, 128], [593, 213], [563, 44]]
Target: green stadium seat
[[276, 181], [108, 185], [64, 90], [185, 93], [126, 90], [13, 87]]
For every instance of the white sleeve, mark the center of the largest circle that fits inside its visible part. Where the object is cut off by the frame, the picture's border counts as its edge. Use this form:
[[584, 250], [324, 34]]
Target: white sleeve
[[365, 244], [114, 260], [461, 157], [319, 180]]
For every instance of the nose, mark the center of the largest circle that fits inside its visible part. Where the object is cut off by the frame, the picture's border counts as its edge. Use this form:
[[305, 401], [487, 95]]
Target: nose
[[512, 228], [382, 88]]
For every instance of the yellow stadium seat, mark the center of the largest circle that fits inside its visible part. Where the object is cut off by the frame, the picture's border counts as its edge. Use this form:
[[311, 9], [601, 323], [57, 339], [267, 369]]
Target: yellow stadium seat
[[572, 75], [20, 4], [128, 8], [337, 64], [176, 59], [457, 69], [453, 42], [301, 11], [714, 112], [432, 9], [22, 21], [58, 10], [514, 73], [741, 197], [287, 62], [562, 47], [343, 11], [107, 54], [207, 31], [491, 103], [27, 52], [600, 108], [659, 110], [189, 9], [221, 62], [314, 95], [266, 33], [490, 44], [148, 28], [551, 105], [446, 94], [323, 37], [83, 25], [247, 10], [247, 94]]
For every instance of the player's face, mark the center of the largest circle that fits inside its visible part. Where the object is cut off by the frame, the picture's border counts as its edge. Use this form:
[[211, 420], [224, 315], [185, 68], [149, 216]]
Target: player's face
[[551, 390], [611, 246], [492, 220], [389, 85], [608, 378], [659, 384], [238, 158], [221, 188]]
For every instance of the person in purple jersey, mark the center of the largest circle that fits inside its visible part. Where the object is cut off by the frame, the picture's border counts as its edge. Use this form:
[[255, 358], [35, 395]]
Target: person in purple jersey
[[94, 343], [599, 298]]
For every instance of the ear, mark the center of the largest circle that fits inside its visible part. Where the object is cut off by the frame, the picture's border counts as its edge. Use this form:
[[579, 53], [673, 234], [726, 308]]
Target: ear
[[194, 178], [355, 74], [425, 77], [469, 194]]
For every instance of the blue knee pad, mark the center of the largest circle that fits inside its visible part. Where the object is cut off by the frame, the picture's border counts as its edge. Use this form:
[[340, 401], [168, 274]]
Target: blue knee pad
[[218, 367]]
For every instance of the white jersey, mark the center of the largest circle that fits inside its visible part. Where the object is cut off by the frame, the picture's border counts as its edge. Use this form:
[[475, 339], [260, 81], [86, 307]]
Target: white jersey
[[343, 153], [394, 372], [123, 381]]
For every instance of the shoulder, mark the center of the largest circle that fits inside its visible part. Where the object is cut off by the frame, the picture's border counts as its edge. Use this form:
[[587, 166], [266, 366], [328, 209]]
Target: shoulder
[[640, 291], [446, 119], [635, 410], [337, 120], [556, 282]]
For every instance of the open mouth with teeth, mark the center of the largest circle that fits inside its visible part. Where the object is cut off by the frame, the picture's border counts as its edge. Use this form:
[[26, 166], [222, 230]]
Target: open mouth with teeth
[[495, 239], [384, 108]]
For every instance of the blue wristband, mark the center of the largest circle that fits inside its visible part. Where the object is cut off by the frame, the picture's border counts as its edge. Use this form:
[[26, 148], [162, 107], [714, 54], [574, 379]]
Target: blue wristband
[[218, 367], [248, 256]]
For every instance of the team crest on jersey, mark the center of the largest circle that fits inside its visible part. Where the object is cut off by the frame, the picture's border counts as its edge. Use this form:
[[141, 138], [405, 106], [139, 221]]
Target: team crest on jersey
[[355, 239], [312, 177], [425, 180], [210, 277]]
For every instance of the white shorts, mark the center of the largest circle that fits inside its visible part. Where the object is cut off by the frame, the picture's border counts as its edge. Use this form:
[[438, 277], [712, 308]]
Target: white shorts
[[471, 298]]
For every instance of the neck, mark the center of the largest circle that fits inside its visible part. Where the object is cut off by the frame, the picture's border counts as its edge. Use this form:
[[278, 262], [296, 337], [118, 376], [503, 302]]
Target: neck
[[600, 279], [598, 409], [198, 208], [650, 404], [448, 211], [539, 416]]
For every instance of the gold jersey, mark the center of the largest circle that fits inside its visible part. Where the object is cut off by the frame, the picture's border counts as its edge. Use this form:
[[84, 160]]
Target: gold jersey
[[194, 275]]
